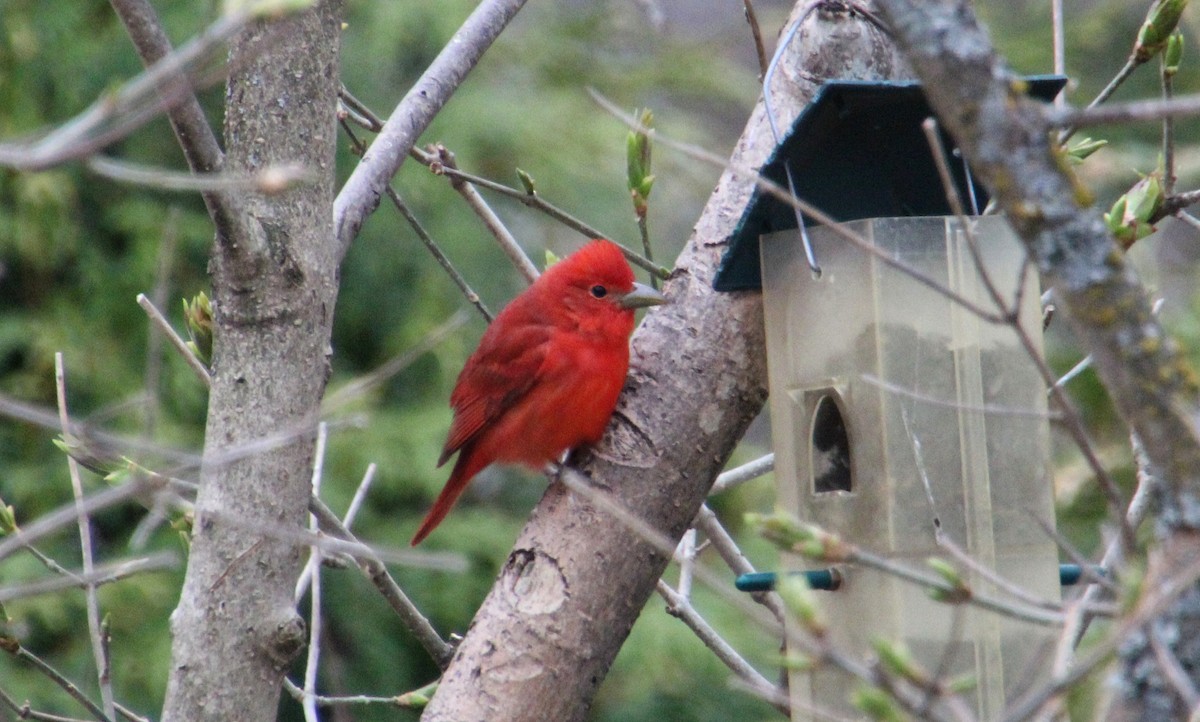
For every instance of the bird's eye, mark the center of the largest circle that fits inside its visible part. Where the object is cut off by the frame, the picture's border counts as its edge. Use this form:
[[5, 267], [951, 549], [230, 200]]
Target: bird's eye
[[599, 291]]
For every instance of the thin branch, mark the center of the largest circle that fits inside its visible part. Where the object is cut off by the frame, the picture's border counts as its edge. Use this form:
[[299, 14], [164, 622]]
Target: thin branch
[[1168, 129], [431, 245], [154, 357], [759, 49], [685, 557], [679, 607], [25, 712], [120, 112], [361, 385], [15, 648], [438, 255], [819, 648], [991, 409], [360, 495], [727, 548], [749, 471], [491, 221], [363, 190], [195, 136], [99, 576], [778, 192], [268, 181], [408, 700], [530, 199], [161, 323], [374, 569], [1172, 669], [313, 570], [49, 523], [535, 201], [1122, 113], [85, 545]]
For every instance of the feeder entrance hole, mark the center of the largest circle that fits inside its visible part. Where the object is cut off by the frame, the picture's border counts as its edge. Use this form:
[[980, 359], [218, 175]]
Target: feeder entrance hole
[[831, 469]]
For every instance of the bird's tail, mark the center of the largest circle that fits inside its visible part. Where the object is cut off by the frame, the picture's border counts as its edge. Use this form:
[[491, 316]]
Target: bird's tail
[[465, 467]]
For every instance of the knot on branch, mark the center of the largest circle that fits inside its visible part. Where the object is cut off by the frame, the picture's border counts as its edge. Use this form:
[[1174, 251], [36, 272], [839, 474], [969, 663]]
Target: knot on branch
[[534, 582], [285, 639]]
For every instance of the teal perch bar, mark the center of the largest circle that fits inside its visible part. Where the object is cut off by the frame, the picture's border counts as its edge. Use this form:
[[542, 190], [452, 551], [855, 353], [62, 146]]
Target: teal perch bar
[[829, 579]]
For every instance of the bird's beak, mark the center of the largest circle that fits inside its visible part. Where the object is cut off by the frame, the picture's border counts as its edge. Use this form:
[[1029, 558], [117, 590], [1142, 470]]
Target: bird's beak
[[641, 296]]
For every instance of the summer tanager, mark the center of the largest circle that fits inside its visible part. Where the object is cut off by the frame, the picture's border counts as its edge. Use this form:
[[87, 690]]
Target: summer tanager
[[547, 372]]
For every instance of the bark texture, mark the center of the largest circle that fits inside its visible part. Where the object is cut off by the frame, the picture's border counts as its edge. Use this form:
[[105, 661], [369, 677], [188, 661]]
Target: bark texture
[[577, 578], [1010, 146], [235, 629]]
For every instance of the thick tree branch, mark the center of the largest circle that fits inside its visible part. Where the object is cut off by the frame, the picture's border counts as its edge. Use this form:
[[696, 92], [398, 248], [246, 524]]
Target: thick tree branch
[[576, 580], [236, 628]]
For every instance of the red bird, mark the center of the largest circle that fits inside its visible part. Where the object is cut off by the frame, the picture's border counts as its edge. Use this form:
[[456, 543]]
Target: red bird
[[547, 372]]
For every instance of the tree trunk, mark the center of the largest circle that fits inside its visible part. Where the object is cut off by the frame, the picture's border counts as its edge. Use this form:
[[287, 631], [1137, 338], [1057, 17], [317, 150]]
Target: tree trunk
[[236, 628], [577, 578]]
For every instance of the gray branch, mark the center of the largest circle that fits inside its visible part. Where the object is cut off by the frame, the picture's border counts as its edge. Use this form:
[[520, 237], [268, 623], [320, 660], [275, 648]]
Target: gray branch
[[360, 195]]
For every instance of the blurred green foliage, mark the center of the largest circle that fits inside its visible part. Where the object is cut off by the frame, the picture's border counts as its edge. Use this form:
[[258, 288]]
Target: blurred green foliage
[[75, 250]]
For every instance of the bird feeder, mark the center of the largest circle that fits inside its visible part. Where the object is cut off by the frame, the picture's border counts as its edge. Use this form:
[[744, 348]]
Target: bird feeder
[[897, 413]]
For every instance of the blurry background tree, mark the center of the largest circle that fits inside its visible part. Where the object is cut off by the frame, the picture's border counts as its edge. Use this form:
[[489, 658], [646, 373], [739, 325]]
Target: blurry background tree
[[75, 250]]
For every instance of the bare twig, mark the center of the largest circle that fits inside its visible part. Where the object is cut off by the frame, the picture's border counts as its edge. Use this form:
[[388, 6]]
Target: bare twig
[[491, 221], [361, 385], [413, 221], [180, 345], [85, 545], [270, 180], [120, 112], [1168, 130], [99, 576], [362, 191], [1012, 318], [531, 200], [991, 409], [15, 648], [537, 202], [441, 258], [749, 471], [154, 358], [819, 216], [374, 569], [819, 648], [64, 515], [1172, 669], [1119, 113], [408, 700], [360, 494], [727, 548], [759, 49], [685, 556], [313, 572], [678, 606], [23, 711], [192, 130]]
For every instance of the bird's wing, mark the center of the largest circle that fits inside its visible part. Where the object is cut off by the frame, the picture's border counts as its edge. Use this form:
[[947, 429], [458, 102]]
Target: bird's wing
[[500, 372]]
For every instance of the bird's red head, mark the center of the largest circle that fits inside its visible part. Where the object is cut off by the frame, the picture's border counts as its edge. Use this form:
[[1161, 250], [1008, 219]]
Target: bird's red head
[[596, 285]]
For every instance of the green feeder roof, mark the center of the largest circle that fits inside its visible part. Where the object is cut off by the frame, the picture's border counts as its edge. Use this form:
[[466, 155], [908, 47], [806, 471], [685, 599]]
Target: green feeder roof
[[856, 151]]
